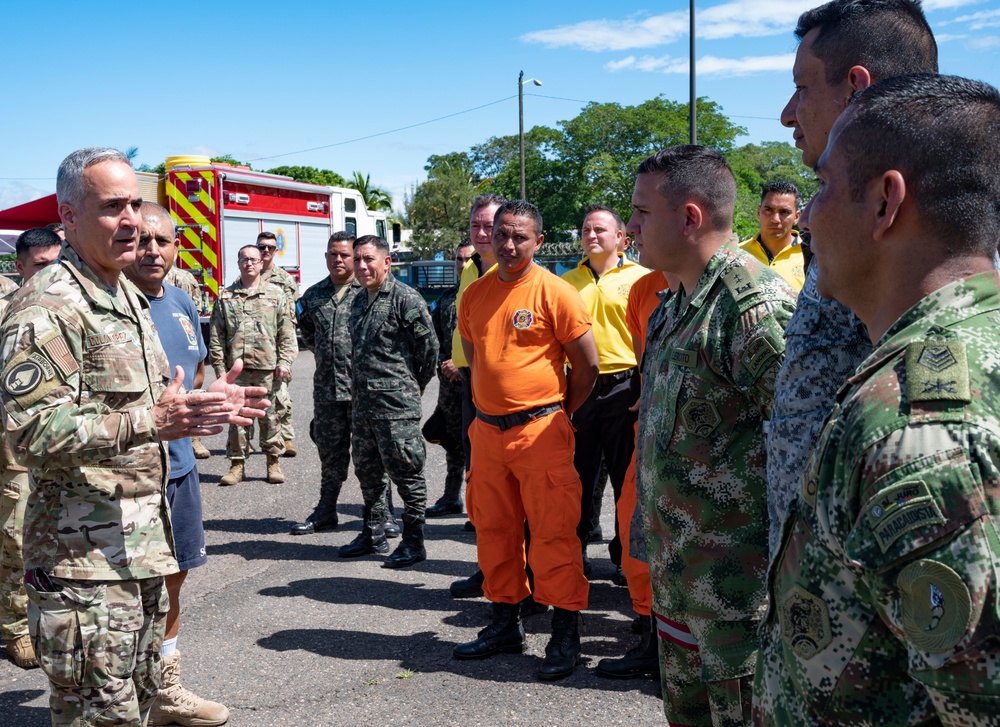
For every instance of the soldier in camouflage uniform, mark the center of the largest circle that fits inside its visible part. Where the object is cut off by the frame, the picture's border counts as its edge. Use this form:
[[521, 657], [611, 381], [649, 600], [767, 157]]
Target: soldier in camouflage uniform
[[36, 249], [251, 321], [323, 314], [87, 409], [861, 43], [712, 351], [273, 273], [448, 413], [394, 357], [187, 282], [885, 593]]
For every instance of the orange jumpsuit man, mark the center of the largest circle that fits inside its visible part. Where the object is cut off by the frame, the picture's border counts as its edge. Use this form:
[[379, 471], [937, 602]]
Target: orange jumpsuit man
[[518, 327]]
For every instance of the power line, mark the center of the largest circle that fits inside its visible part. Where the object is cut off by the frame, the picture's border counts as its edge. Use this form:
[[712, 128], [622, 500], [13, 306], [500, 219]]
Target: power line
[[384, 133]]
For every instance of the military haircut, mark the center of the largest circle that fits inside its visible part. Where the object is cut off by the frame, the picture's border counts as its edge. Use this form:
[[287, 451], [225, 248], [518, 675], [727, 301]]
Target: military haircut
[[699, 173], [942, 133], [239, 253], [35, 237], [266, 235], [592, 208], [464, 242], [70, 188], [56, 227], [379, 243], [781, 187], [154, 210], [887, 37], [520, 208], [485, 200], [342, 236]]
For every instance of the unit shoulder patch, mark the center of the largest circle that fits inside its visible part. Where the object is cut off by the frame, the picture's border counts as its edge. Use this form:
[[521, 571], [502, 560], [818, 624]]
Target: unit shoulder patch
[[29, 377], [805, 623], [937, 371], [898, 509], [936, 605], [739, 282]]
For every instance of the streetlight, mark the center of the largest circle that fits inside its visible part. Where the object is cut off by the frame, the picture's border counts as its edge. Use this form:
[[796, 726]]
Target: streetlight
[[520, 118]]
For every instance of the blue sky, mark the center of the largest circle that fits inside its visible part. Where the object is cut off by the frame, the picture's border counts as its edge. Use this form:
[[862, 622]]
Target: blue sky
[[260, 81]]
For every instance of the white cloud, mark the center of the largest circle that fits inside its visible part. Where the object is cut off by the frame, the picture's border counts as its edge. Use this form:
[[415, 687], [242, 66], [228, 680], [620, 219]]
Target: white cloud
[[706, 65], [14, 193], [946, 37], [930, 5], [985, 42], [738, 18], [980, 20]]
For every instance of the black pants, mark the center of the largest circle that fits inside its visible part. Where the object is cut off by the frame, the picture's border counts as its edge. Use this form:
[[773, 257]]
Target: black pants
[[604, 428]]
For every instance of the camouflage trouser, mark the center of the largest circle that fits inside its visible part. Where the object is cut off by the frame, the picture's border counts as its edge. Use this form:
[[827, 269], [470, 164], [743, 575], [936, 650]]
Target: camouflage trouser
[[99, 642], [330, 429], [450, 404], [706, 670], [394, 447], [13, 600], [283, 410], [270, 432]]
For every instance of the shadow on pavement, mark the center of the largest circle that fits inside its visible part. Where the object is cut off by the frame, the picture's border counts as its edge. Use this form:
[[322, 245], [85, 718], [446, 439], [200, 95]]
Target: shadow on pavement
[[426, 652], [14, 711]]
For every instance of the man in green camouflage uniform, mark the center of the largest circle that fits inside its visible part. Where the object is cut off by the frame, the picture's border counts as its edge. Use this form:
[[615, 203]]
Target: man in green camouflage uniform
[[87, 405], [251, 321], [273, 273], [885, 608], [394, 357], [323, 314], [447, 416], [36, 249], [712, 351], [186, 281]]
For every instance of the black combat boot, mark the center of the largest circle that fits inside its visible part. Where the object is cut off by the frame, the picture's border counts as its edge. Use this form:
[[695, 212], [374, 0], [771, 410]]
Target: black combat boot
[[504, 635], [410, 550], [642, 662], [323, 517], [445, 506], [563, 649], [371, 539], [389, 524], [471, 587]]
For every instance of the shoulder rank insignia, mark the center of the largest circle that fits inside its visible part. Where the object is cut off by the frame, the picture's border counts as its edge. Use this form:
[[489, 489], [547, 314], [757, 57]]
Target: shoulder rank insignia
[[937, 371], [739, 282]]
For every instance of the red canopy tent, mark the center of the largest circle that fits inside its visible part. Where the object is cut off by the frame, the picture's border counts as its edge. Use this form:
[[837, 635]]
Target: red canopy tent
[[36, 213]]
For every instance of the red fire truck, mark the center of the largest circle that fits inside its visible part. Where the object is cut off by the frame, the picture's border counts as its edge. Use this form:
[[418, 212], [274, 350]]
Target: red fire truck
[[219, 208]]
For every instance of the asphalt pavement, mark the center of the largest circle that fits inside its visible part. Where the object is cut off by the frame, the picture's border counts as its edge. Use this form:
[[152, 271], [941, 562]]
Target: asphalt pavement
[[284, 633]]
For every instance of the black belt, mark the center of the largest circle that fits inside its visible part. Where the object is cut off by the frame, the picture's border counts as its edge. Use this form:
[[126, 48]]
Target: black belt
[[509, 421], [605, 379]]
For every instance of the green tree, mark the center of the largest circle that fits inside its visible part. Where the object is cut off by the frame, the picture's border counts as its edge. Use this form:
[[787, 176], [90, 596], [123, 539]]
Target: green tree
[[310, 175], [375, 198], [230, 159], [438, 209], [758, 164]]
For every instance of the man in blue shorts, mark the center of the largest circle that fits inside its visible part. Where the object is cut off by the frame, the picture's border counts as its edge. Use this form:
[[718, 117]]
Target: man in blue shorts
[[176, 321]]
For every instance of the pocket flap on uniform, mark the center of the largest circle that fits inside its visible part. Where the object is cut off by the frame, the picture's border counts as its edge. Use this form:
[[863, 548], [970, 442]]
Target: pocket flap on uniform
[[728, 650], [124, 606], [385, 384], [563, 476]]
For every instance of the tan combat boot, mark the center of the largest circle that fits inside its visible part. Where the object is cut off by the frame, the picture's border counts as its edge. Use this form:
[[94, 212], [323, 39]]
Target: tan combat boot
[[22, 653], [176, 705], [200, 450], [234, 475], [290, 450], [274, 474]]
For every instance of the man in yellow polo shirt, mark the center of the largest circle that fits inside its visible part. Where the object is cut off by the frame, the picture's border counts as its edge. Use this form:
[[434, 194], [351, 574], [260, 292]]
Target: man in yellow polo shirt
[[604, 423], [777, 244]]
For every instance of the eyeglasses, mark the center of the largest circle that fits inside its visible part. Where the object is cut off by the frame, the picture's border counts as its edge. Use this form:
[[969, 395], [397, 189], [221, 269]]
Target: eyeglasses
[[248, 260], [267, 247]]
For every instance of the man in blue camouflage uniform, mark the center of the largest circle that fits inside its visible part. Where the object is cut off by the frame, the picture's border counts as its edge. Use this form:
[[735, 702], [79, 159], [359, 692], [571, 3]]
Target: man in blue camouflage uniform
[[87, 406], [846, 45], [712, 351], [884, 604]]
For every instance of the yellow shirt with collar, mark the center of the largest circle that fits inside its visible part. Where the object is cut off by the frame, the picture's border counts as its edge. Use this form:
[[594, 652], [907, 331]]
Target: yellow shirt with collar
[[788, 263], [469, 274], [606, 298]]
